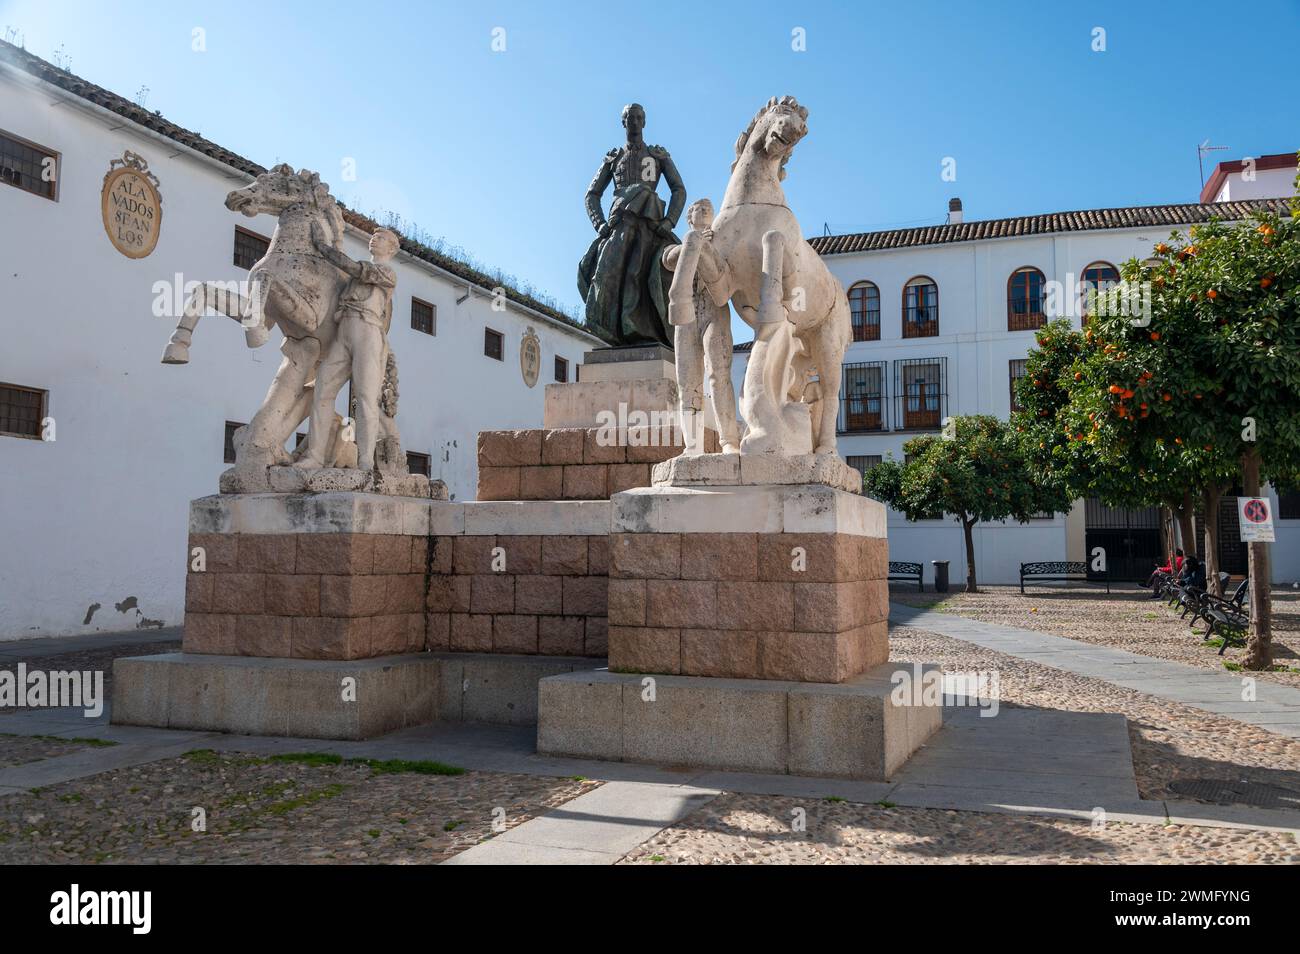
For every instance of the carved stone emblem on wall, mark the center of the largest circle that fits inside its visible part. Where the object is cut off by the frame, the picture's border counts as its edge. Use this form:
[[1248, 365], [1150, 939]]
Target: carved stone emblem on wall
[[530, 357], [131, 206]]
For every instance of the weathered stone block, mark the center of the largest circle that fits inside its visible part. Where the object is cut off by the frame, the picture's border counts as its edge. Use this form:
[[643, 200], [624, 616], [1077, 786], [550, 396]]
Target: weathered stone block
[[598, 556], [353, 595], [471, 633], [521, 554], [392, 554], [585, 595], [268, 552], [755, 606], [335, 553], [257, 635], [509, 448], [677, 603], [562, 445], [626, 602], [220, 551], [720, 556], [448, 594], [293, 595], [585, 482], [729, 654], [539, 595], [198, 592], [498, 483], [474, 554], [560, 635], [645, 556], [596, 640], [564, 555], [645, 649], [539, 483], [492, 593], [239, 593], [514, 634]]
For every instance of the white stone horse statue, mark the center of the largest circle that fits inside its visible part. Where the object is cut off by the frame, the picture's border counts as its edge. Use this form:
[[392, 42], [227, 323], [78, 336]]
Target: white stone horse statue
[[782, 289], [293, 288]]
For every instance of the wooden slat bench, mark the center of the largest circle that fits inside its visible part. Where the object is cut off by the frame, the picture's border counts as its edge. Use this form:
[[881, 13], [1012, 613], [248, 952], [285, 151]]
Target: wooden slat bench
[[1059, 571], [907, 572]]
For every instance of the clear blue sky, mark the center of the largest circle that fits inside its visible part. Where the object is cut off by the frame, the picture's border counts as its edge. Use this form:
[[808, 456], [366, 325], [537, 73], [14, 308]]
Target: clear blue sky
[[493, 151]]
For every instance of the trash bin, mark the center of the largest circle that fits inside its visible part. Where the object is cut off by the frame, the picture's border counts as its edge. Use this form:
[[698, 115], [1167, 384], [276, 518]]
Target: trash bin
[[940, 575]]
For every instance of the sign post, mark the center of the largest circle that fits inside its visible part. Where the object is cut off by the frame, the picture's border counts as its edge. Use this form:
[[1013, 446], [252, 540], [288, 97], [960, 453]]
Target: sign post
[[1255, 516]]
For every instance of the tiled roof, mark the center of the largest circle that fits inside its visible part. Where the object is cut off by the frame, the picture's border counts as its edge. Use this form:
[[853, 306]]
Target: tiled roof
[[20, 59], [744, 347], [1085, 220]]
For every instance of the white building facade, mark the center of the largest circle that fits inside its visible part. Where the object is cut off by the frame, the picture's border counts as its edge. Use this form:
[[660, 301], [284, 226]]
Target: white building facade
[[95, 519], [944, 318]]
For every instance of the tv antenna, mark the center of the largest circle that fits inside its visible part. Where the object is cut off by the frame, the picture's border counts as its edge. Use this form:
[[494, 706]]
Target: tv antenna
[[1201, 150]]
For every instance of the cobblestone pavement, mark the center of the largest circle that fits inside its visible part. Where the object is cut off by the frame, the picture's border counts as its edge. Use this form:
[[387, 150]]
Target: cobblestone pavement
[[1124, 619], [85, 660], [752, 829], [269, 811], [1171, 741], [21, 749]]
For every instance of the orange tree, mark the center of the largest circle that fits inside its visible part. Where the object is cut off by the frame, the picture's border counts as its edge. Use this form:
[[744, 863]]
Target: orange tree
[[976, 470], [1093, 416], [1203, 393]]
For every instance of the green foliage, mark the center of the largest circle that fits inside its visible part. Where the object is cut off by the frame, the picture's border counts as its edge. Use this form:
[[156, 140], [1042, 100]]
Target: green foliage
[[976, 471]]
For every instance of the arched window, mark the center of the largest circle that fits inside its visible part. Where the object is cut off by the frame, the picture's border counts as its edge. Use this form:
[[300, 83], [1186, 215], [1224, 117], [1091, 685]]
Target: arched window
[[864, 307], [1025, 290], [1096, 279], [920, 308]]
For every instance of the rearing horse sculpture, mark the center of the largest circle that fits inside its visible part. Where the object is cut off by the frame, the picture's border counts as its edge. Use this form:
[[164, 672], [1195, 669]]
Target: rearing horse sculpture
[[779, 286], [291, 287]]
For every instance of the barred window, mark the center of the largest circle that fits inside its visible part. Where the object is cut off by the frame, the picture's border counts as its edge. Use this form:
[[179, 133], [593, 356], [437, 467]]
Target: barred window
[[920, 308], [417, 463], [22, 410], [1095, 280], [228, 450], [494, 344], [864, 462], [862, 397], [1025, 290], [864, 309], [28, 166], [1288, 505], [424, 316], [921, 392], [249, 247], [1016, 369], [561, 369]]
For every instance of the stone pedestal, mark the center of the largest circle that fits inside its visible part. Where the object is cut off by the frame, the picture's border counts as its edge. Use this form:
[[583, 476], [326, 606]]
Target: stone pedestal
[[288, 594], [748, 630], [748, 582]]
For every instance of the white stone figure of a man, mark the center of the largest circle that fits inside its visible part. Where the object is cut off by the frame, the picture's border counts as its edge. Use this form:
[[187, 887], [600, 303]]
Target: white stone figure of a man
[[701, 328], [360, 349]]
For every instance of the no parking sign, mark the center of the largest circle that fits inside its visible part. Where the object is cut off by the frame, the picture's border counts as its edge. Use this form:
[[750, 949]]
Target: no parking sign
[[1255, 516]]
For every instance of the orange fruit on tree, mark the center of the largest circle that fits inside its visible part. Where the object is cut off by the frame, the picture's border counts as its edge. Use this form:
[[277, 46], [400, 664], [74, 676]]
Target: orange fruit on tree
[[1211, 294]]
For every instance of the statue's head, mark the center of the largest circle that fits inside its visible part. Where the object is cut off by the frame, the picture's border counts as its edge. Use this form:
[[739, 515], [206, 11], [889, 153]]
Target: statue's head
[[775, 130], [384, 244], [634, 118], [699, 215], [276, 189]]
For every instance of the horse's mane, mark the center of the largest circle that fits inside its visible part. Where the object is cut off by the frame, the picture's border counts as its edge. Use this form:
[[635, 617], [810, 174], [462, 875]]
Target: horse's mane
[[785, 104], [308, 182]]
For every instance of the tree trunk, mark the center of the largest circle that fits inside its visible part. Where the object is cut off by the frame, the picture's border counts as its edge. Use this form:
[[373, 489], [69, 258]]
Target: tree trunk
[[1211, 494], [1186, 529], [1259, 644], [1166, 542], [968, 527]]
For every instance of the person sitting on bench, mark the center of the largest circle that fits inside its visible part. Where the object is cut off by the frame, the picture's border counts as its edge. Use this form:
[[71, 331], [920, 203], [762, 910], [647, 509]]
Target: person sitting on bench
[[1166, 571]]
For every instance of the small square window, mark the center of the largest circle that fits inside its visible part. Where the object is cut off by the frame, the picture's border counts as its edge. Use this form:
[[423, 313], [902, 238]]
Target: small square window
[[417, 463], [229, 449], [424, 316], [494, 344], [249, 247], [28, 166], [561, 369], [22, 410]]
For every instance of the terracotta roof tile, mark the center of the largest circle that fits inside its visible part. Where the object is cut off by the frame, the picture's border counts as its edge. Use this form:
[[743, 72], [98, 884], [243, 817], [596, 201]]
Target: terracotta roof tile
[[1156, 216]]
